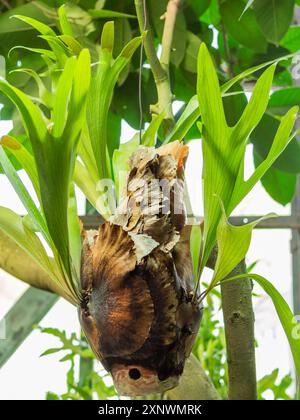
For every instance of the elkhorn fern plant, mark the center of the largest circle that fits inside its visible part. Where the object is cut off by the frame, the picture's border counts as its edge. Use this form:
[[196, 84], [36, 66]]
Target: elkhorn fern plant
[[132, 280]]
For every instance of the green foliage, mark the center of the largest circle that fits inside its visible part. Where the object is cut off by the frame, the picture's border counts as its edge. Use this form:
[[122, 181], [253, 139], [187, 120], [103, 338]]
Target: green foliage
[[90, 383], [69, 111], [104, 81], [274, 17], [58, 123], [53, 147], [279, 388], [224, 146], [262, 25], [280, 185], [243, 27], [223, 179]]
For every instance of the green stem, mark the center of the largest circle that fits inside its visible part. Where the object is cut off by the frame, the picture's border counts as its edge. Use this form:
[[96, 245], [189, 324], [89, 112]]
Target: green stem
[[160, 74]]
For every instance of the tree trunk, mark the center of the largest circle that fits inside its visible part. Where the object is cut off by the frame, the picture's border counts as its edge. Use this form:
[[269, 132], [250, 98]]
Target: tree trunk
[[239, 332]]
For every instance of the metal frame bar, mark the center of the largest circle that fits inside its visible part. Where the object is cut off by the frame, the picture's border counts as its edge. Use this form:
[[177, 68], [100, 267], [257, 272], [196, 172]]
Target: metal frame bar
[[280, 222]]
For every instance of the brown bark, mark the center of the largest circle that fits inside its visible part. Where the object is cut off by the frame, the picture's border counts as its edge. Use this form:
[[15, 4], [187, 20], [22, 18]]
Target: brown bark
[[239, 332]]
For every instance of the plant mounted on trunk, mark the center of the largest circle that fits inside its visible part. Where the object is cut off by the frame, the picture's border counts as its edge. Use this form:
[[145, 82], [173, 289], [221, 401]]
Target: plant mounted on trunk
[[133, 280]]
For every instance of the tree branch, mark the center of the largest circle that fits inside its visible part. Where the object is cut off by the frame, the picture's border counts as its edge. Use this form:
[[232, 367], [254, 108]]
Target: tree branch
[[160, 74], [167, 38], [194, 384], [239, 333]]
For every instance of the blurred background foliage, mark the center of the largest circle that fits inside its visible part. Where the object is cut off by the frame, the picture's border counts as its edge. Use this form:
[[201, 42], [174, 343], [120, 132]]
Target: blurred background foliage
[[239, 33]]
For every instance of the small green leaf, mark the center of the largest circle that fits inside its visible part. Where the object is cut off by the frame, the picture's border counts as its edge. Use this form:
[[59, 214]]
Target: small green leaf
[[291, 39], [242, 25], [65, 25], [71, 43], [282, 99], [195, 247], [256, 107], [226, 86], [62, 97], [51, 351], [108, 14], [274, 17], [150, 135], [107, 36], [233, 243], [189, 116]]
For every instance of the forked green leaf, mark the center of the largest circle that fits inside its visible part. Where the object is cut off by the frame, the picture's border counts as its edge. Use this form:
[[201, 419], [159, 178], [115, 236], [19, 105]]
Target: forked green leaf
[[218, 173], [233, 243], [256, 106], [226, 86], [101, 92], [281, 140], [62, 97], [14, 227], [150, 135], [53, 150], [224, 147], [186, 121]]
